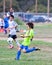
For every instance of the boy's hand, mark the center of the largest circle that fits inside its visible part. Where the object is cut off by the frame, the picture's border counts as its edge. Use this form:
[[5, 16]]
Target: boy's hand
[[22, 36]]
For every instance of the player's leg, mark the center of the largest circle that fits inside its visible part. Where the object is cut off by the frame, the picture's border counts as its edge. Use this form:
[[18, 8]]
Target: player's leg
[[15, 39], [5, 30], [10, 41], [28, 50], [18, 44], [19, 52]]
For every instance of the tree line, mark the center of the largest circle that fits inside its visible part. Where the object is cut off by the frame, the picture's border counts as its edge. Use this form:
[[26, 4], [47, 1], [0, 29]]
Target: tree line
[[26, 5]]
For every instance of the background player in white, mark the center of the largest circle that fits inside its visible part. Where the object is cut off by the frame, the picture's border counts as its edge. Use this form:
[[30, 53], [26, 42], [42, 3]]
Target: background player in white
[[12, 32]]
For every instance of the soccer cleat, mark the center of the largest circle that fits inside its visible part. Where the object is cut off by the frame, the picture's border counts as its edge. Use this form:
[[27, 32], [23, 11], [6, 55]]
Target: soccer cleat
[[36, 49], [10, 47]]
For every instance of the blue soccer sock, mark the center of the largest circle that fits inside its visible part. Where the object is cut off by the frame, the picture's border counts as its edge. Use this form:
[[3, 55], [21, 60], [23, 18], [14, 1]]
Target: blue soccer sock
[[18, 55], [30, 50]]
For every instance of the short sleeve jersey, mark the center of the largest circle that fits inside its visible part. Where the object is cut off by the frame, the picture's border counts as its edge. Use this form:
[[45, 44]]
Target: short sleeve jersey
[[13, 30], [27, 40]]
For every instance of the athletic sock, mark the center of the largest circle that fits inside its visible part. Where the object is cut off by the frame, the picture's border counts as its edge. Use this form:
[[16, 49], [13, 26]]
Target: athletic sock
[[17, 43], [30, 50], [18, 55]]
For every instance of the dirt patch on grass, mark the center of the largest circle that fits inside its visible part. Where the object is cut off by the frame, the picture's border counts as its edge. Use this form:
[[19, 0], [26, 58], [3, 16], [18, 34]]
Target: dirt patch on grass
[[40, 39]]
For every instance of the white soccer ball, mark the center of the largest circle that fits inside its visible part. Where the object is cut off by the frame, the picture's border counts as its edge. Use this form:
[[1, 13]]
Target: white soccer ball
[[24, 31], [9, 39]]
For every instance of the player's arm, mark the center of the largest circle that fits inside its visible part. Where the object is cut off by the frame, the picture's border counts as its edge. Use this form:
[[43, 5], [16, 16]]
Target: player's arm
[[24, 36], [12, 27]]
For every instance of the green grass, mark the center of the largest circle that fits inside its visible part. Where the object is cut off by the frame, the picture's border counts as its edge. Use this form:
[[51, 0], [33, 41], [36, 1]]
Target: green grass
[[43, 57], [42, 30]]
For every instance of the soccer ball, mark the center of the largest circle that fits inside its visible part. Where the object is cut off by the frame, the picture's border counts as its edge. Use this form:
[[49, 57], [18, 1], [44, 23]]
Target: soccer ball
[[24, 31], [9, 39]]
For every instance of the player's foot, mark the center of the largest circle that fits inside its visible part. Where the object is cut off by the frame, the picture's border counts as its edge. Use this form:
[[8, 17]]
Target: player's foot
[[37, 49], [11, 47]]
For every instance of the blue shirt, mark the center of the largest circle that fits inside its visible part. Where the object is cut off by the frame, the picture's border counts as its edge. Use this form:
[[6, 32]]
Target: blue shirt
[[6, 22]]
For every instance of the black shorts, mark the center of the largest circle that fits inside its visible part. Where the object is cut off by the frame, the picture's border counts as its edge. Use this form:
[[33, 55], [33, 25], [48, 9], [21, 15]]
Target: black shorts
[[12, 36], [2, 27]]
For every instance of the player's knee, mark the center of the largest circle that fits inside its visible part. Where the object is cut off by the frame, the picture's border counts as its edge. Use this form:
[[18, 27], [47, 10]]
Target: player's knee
[[24, 51], [19, 49]]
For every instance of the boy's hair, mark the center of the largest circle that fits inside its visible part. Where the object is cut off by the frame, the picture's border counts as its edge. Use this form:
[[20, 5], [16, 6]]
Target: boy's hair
[[30, 24], [12, 16]]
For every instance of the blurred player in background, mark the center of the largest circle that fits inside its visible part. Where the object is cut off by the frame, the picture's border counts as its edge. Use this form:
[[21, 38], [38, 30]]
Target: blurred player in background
[[6, 18], [1, 25], [12, 32]]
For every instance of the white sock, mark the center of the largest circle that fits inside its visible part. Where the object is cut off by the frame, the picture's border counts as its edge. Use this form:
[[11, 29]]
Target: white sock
[[17, 43]]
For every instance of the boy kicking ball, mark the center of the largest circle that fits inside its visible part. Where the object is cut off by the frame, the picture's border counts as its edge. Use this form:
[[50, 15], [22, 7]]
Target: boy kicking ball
[[26, 42]]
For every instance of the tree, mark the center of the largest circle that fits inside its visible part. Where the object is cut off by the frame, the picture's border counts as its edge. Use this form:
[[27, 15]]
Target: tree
[[25, 5]]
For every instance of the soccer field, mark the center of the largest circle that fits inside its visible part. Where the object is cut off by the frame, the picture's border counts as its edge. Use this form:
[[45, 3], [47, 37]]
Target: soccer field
[[42, 57], [41, 30]]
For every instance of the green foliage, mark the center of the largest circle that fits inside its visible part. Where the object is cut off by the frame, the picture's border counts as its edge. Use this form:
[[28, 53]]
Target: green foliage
[[42, 8], [26, 5], [19, 22]]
